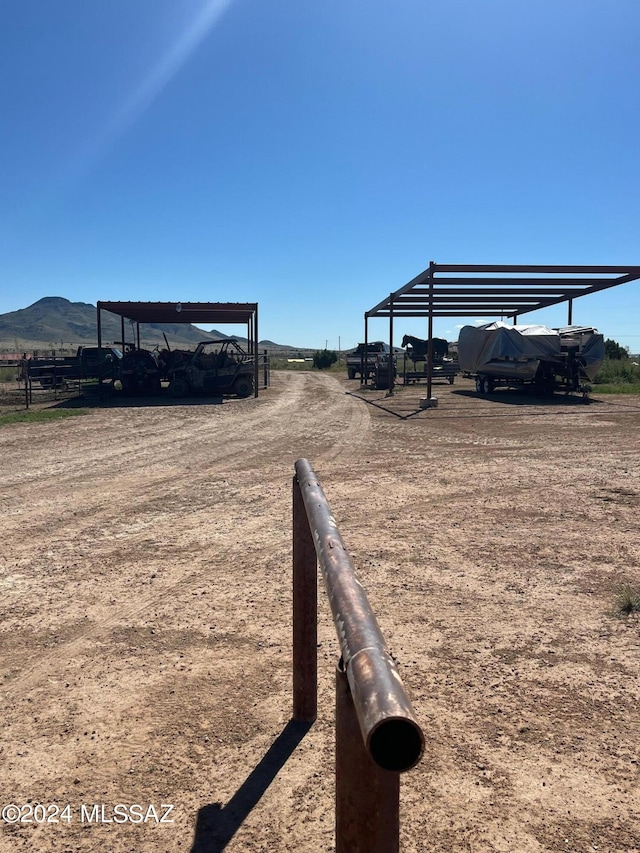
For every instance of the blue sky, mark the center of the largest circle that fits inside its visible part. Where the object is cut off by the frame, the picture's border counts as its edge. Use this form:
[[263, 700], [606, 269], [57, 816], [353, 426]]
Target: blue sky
[[314, 157]]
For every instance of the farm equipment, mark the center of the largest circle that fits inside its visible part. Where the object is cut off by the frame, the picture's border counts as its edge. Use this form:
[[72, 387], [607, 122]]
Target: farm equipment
[[140, 373], [216, 367], [545, 359], [381, 373]]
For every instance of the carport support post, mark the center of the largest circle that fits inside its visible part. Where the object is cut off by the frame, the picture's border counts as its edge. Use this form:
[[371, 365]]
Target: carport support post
[[570, 313], [364, 360], [391, 343], [305, 614], [255, 354], [99, 349], [367, 797], [430, 334]]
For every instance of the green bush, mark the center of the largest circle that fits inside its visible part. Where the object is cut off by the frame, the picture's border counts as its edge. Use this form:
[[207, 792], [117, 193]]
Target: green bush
[[323, 360], [8, 374], [618, 371], [285, 364], [613, 350]]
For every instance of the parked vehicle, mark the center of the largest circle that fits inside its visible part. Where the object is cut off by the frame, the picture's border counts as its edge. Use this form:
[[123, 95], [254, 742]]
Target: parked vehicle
[[140, 373], [88, 363], [546, 359], [216, 367], [368, 360]]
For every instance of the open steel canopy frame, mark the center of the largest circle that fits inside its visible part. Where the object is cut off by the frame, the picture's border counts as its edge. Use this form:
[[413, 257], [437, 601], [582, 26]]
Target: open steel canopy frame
[[488, 290], [188, 312]]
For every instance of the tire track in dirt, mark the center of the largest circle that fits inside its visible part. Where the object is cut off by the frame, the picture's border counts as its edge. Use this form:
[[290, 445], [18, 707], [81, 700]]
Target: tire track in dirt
[[322, 410], [162, 463]]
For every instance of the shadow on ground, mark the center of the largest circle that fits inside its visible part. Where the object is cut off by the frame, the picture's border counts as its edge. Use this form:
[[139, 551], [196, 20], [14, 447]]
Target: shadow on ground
[[520, 397], [110, 400], [217, 824]]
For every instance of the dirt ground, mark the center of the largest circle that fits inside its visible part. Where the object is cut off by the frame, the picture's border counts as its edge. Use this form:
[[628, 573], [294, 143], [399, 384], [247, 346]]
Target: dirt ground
[[145, 580]]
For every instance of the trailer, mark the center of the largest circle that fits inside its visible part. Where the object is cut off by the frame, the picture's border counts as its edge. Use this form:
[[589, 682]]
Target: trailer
[[446, 371], [545, 359]]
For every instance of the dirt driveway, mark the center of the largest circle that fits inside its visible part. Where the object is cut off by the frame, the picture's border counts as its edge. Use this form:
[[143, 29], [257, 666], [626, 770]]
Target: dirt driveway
[[145, 628]]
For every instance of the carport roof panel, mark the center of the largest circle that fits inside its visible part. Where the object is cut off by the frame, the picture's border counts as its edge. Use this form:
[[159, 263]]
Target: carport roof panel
[[463, 290], [182, 312]]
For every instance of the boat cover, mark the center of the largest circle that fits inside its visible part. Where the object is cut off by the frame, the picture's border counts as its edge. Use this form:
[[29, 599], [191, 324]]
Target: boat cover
[[496, 343]]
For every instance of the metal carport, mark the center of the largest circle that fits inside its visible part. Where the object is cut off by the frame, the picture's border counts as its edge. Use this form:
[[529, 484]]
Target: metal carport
[[488, 290], [188, 312]]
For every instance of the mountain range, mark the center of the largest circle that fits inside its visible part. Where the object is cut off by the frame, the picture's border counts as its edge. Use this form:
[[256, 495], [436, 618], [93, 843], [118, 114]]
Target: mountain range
[[55, 322]]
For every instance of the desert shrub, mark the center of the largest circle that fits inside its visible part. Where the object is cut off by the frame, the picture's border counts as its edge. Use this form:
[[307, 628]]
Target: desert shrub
[[285, 364], [8, 374], [324, 359], [628, 599]]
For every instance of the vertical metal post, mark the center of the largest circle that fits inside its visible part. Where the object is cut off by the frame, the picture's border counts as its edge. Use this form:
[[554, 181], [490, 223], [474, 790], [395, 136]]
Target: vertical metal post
[[99, 324], [570, 314], [367, 797], [122, 331], [515, 319], [55, 376], [391, 343], [138, 333], [255, 354], [250, 336], [430, 334], [27, 379], [264, 371], [364, 361], [305, 614]]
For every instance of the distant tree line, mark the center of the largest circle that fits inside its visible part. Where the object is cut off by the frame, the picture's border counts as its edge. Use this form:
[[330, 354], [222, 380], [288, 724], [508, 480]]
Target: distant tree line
[[614, 351]]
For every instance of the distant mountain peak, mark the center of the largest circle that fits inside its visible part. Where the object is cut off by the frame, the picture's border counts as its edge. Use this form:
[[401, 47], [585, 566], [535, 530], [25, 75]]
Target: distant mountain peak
[[55, 320], [51, 300]]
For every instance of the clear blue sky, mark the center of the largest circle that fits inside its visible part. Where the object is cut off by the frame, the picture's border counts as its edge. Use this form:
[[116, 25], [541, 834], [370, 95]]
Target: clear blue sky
[[314, 157]]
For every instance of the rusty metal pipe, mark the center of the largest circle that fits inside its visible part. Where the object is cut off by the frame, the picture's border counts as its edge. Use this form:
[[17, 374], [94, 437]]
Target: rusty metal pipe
[[387, 721]]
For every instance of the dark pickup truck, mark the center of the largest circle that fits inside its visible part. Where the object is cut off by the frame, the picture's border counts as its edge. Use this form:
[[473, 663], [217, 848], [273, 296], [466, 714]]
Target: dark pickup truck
[[88, 363], [376, 360]]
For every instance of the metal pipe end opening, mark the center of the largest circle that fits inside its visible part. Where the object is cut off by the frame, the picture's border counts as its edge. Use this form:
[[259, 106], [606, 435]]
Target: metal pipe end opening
[[396, 745]]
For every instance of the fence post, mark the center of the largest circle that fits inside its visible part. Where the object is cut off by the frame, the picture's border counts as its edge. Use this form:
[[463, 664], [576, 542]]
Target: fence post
[[305, 614], [367, 797]]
